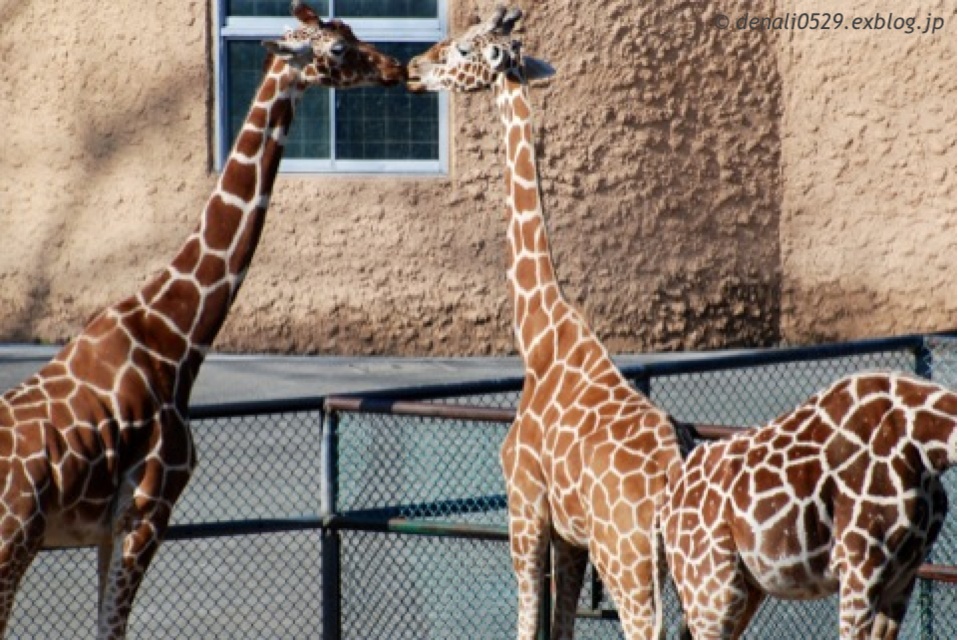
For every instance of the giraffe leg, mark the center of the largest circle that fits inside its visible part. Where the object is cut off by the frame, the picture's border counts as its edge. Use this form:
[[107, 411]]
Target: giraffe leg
[[753, 600], [529, 525], [529, 544], [17, 551], [569, 570], [22, 525], [104, 556], [857, 609], [130, 553], [891, 612], [718, 601], [138, 529], [636, 601]]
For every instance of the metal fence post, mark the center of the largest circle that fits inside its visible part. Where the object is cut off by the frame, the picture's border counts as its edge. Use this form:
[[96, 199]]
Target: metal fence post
[[924, 360], [643, 382], [924, 368], [330, 542]]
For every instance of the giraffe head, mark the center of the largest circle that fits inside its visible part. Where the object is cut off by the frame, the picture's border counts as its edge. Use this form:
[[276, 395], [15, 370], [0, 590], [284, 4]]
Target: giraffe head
[[329, 55], [476, 59]]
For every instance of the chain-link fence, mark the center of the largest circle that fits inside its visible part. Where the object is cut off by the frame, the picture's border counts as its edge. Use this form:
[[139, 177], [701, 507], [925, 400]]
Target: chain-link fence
[[393, 525]]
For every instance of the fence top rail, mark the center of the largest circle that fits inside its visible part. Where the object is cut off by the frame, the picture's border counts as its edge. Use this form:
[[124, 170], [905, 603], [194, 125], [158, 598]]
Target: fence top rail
[[781, 355], [690, 363], [372, 404], [257, 408], [701, 362]]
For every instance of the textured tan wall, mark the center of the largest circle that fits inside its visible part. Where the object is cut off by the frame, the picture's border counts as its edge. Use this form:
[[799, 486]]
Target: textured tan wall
[[868, 174], [665, 179]]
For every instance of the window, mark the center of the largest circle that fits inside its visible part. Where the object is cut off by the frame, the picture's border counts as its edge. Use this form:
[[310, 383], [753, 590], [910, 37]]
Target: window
[[367, 130]]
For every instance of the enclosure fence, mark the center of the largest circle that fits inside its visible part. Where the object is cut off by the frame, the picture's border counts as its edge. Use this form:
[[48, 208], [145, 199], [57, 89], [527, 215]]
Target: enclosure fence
[[384, 516]]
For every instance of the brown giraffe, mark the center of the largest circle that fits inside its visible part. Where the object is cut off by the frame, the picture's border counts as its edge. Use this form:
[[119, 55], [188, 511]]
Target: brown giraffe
[[96, 447], [587, 455], [842, 495]]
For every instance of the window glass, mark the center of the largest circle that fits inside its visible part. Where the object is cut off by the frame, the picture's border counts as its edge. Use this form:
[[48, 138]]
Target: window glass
[[385, 8], [388, 123], [310, 140], [376, 129], [272, 8]]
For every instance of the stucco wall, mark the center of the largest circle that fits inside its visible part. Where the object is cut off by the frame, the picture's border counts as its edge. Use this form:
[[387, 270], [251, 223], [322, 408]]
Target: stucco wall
[[672, 171], [868, 174]]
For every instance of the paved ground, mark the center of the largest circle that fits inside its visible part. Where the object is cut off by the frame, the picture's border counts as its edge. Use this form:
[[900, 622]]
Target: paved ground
[[229, 378]]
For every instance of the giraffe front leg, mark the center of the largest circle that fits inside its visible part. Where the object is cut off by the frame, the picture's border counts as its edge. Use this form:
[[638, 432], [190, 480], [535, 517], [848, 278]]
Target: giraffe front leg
[[529, 522], [568, 568], [139, 524], [20, 539], [529, 545]]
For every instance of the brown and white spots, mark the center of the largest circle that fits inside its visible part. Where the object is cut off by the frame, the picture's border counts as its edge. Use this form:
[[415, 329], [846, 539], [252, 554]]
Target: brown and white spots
[[585, 460], [841, 494], [96, 447]]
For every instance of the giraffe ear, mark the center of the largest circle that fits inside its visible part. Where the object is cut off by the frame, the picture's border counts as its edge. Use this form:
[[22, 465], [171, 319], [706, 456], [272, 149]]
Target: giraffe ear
[[288, 50], [536, 69]]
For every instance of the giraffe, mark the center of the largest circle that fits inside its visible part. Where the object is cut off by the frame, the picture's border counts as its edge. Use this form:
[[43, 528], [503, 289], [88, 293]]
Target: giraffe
[[587, 455], [842, 494], [95, 448]]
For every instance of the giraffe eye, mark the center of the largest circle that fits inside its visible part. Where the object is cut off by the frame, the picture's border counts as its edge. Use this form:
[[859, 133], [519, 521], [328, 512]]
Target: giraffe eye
[[338, 48], [464, 49]]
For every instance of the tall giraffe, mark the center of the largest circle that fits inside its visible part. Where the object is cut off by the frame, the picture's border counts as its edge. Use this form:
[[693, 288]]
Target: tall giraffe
[[587, 456], [842, 494], [96, 447]]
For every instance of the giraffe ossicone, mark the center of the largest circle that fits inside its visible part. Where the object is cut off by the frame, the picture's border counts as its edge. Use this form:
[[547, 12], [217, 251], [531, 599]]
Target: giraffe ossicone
[[96, 447], [587, 457]]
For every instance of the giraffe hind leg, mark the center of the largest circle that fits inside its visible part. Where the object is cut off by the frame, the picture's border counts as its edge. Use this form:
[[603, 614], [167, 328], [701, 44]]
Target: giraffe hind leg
[[568, 569], [124, 561]]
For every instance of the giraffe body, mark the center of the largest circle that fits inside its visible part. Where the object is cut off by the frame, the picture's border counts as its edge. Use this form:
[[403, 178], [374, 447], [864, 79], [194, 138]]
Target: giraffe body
[[587, 456], [841, 495], [95, 448]]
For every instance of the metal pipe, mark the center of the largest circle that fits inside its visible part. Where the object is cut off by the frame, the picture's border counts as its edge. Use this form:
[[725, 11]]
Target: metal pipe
[[418, 409]]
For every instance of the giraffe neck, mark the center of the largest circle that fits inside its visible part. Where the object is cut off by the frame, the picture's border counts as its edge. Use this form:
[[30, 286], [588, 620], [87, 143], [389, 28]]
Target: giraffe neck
[[539, 308], [194, 293]]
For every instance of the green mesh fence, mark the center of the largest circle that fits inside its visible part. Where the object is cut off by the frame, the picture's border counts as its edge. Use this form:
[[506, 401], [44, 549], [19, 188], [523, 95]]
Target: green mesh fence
[[248, 557]]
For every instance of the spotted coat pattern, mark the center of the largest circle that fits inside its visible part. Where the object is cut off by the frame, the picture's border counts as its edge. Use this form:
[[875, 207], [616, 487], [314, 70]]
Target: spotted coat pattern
[[841, 495], [96, 448], [587, 455]]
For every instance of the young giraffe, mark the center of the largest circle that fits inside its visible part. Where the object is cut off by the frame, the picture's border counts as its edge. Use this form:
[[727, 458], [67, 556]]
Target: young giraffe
[[96, 447], [842, 495], [586, 458]]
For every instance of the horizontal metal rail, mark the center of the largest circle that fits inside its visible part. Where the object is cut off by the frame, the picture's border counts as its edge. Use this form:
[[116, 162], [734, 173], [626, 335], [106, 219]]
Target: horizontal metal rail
[[417, 409], [419, 527], [702, 363], [361, 521], [385, 406]]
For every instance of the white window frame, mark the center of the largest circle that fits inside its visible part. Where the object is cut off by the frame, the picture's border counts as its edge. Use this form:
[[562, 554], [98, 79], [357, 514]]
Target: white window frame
[[371, 30]]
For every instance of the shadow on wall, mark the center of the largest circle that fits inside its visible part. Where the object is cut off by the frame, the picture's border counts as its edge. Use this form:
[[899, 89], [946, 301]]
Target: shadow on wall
[[677, 178], [114, 166]]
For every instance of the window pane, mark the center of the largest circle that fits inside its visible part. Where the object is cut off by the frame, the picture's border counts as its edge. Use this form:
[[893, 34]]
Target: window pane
[[376, 123], [386, 8], [270, 7], [309, 136]]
